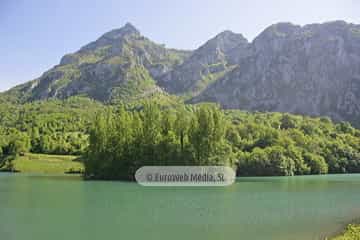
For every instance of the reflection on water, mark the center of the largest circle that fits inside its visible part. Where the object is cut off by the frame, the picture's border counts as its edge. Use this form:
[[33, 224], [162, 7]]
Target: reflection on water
[[55, 207]]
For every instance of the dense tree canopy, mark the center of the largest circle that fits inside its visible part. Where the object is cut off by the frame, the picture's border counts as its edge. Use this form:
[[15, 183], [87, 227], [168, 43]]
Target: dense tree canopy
[[12, 143], [284, 144], [121, 141], [264, 144], [54, 127], [117, 139]]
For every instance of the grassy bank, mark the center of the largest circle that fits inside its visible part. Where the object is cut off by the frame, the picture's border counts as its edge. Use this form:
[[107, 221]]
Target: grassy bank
[[44, 163], [352, 232]]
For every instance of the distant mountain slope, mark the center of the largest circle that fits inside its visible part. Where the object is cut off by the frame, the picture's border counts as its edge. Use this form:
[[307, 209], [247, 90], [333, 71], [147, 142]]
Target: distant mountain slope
[[206, 64], [313, 70]]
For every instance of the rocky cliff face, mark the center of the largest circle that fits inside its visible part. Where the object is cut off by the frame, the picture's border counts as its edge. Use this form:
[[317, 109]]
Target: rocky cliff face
[[312, 70], [206, 64]]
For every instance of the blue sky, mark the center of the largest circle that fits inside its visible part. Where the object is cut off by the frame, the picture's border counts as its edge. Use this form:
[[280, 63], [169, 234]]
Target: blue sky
[[35, 34]]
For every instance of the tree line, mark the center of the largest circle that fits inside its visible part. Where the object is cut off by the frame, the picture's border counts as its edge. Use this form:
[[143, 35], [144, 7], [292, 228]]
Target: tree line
[[115, 140], [121, 141], [255, 144], [51, 127], [12, 144]]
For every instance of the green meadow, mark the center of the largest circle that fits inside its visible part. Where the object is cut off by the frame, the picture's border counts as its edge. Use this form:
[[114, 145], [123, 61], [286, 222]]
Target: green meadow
[[48, 164]]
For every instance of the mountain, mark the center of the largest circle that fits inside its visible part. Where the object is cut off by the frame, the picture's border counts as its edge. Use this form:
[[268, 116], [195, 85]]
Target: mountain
[[312, 69], [205, 65], [121, 64]]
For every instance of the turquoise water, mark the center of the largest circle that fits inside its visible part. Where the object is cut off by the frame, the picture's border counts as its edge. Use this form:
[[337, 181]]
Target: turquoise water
[[282, 208]]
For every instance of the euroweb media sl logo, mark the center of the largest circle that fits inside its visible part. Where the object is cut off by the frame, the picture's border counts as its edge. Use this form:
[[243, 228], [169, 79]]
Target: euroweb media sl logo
[[185, 176]]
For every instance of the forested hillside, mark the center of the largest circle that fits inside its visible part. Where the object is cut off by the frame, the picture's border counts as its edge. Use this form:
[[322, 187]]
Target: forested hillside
[[115, 140], [263, 144], [52, 127]]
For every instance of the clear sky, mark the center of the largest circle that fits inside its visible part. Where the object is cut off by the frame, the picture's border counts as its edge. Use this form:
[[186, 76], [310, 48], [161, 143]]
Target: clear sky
[[35, 34]]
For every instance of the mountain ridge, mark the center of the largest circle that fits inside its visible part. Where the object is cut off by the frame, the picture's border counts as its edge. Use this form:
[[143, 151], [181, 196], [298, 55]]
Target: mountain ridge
[[311, 69]]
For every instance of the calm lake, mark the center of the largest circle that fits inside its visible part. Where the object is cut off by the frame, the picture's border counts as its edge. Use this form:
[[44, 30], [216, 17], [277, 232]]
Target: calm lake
[[282, 208]]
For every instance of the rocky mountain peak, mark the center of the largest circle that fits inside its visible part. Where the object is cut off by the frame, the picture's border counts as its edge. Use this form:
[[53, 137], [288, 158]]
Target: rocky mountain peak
[[223, 42], [308, 70], [228, 35], [273, 37], [282, 29], [126, 30], [210, 61]]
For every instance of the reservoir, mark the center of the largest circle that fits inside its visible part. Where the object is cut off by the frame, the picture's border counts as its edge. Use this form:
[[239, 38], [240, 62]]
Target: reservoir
[[61, 207]]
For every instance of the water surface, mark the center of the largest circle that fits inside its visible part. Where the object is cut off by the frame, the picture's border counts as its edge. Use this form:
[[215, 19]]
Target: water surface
[[65, 207]]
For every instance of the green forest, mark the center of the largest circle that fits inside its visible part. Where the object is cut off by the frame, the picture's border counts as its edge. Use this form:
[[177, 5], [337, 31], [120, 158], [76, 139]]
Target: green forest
[[114, 140], [50, 127]]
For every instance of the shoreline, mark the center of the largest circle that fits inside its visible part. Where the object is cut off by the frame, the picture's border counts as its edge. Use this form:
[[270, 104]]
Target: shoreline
[[346, 232], [343, 229]]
